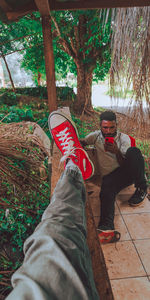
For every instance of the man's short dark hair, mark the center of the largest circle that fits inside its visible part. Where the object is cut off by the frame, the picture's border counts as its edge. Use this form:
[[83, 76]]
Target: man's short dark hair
[[108, 115]]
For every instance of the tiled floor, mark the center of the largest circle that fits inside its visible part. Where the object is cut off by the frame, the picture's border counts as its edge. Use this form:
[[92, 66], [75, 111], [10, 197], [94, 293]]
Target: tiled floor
[[128, 261]]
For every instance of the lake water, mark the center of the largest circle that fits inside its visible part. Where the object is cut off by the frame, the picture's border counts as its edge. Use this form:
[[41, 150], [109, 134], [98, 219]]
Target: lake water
[[99, 98]]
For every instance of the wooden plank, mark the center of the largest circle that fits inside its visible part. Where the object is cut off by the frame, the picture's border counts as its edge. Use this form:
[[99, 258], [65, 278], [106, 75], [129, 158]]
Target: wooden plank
[[5, 6], [14, 13], [57, 169], [98, 263], [49, 63], [88, 4], [43, 7], [101, 277]]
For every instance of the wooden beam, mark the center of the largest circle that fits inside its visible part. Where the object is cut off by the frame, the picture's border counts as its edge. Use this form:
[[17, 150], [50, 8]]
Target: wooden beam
[[4, 5], [13, 13], [100, 273], [49, 62], [43, 7], [88, 4]]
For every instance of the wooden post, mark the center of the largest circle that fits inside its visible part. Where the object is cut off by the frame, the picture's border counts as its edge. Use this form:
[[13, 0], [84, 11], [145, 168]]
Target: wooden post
[[100, 273], [44, 9], [49, 62]]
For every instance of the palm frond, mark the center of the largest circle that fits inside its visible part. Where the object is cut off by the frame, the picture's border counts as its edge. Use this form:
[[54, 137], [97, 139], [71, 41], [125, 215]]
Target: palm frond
[[130, 66]]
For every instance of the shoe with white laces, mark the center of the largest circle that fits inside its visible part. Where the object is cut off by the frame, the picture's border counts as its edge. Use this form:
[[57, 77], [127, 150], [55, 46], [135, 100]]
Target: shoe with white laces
[[65, 134]]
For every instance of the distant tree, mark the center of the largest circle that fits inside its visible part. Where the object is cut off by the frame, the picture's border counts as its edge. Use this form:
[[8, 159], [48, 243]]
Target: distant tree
[[85, 37], [17, 36], [81, 41], [5, 48], [33, 59]]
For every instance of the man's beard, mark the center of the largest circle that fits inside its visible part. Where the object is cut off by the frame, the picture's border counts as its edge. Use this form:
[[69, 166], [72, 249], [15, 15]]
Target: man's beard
[[109, 134]]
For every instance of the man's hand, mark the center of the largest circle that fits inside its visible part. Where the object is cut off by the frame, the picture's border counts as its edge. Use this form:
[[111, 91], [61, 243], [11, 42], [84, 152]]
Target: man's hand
[[82, 142], [113, 148]]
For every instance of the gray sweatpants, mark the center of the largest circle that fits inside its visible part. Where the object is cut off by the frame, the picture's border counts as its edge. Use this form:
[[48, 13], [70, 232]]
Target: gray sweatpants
[[57, 262]]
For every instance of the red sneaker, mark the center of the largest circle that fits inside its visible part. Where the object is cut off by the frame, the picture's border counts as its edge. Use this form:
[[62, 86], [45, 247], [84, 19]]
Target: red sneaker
[[108, 236], [65, 135]]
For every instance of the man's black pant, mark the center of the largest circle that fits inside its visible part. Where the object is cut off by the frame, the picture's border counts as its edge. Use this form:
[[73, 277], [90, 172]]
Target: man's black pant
[[132, 171]]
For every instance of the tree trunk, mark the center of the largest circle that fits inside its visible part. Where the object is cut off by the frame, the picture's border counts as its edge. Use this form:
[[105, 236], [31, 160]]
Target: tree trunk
[[39, 78], [84, 86], [2, 76], [10, 77]]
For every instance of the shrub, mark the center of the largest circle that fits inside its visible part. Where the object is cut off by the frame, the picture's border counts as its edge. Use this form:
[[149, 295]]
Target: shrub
[[8, 98], [63, 93], [17, 222], [17, 115]]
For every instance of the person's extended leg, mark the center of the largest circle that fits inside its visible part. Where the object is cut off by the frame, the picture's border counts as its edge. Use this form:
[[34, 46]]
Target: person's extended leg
[[57, 263], [71, 214]]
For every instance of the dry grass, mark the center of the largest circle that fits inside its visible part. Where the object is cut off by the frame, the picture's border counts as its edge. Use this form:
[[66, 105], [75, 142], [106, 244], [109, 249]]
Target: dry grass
[[131, 58], [20, 157]]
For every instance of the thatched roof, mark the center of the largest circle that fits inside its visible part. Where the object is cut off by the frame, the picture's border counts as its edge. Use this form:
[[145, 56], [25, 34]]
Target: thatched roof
[[131, 58]]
